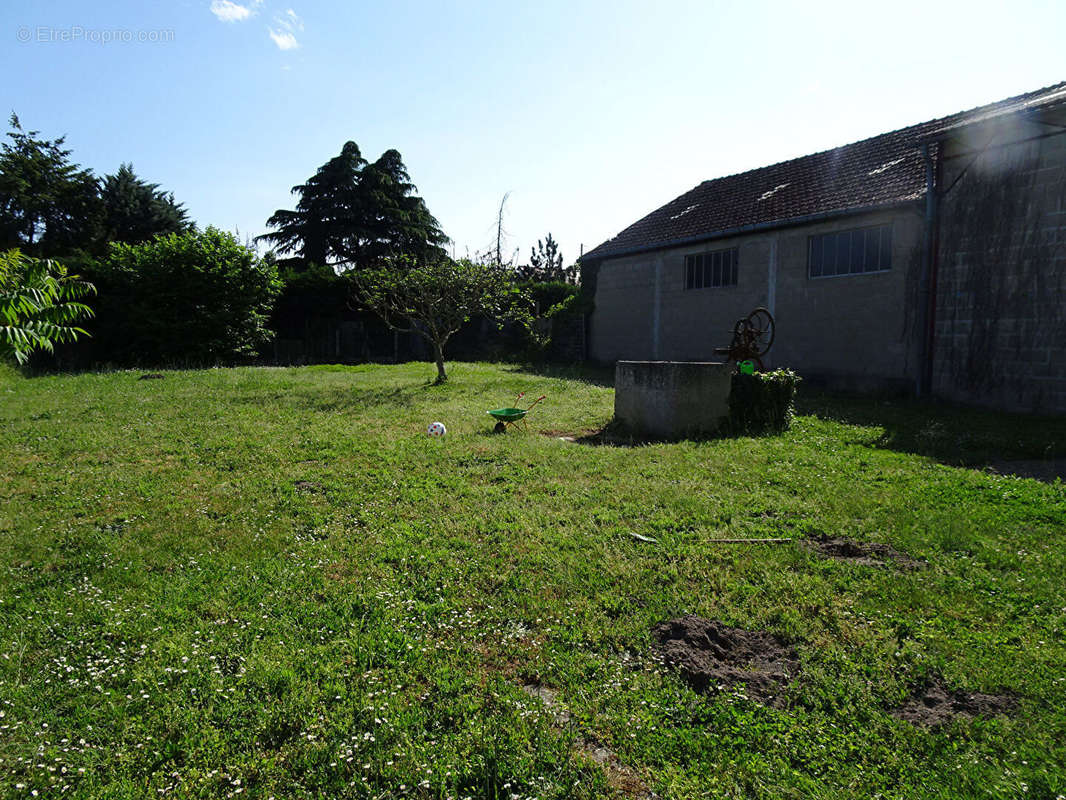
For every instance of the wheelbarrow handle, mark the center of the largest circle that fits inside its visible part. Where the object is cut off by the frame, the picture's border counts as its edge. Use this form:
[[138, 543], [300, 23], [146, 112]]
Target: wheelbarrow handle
[[520, 396], [543, 396]]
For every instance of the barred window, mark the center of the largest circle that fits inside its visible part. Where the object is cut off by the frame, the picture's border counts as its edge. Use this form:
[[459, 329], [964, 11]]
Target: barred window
[[711, 270], [850, 252]]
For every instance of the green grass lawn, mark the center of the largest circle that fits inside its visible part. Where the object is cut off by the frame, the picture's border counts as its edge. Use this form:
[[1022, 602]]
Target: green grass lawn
[[271, 583]]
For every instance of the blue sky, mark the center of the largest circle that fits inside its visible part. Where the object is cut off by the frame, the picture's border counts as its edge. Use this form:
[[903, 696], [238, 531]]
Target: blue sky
[[591, 114]]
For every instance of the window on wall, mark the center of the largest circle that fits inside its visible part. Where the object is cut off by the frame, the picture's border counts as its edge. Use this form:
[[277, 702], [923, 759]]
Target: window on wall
[[850, 252], [711, 270]]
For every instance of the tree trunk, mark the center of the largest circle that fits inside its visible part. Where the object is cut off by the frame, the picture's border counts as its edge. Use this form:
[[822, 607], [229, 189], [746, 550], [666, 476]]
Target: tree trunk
[[438, 354]]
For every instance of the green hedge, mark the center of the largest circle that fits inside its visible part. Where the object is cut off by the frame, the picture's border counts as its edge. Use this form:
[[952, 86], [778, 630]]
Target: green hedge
[[196, 298], [547, 294], [763, 402]]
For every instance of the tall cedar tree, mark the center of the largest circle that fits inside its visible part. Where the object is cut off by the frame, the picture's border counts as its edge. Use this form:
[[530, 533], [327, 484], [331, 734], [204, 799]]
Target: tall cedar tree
[[352, 214], [48, 205], [135, 210], [325, 214]]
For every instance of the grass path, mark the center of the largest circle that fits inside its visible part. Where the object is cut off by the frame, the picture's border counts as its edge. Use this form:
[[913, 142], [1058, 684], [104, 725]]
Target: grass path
[[270, 582]]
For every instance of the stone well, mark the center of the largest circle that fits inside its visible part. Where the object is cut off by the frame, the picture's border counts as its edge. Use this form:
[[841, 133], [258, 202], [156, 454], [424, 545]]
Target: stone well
[[672, 399]]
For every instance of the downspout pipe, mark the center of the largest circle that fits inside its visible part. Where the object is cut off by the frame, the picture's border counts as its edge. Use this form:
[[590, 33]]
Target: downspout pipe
[[927, 292]]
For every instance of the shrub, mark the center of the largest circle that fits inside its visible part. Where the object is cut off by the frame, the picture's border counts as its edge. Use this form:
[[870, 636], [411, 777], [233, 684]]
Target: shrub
[[763, 402], [38, 305], [193, 298], [547, 294], [310, 295], [558, 308], [578, 304]]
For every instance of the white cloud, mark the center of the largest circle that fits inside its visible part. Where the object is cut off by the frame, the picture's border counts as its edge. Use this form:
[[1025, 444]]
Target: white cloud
[[284, 40], [292, 21], [287, 26], [282, 32], [229, 11]]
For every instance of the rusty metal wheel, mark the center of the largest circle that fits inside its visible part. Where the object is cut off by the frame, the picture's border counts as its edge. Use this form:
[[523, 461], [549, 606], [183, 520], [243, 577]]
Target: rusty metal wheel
[[761, 323]]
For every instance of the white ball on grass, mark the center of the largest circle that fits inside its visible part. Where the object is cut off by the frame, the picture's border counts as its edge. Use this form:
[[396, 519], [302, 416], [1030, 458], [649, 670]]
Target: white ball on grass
[[436, 429]]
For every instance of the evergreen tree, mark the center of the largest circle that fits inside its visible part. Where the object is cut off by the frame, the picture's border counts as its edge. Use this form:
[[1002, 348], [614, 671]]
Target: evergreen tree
[[351, 214], [48, 205], [135, 210], [545, 263], [397, 220], [326, 212]]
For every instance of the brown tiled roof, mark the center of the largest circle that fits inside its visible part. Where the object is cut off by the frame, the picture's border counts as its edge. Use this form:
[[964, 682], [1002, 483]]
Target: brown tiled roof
[[881, 171]]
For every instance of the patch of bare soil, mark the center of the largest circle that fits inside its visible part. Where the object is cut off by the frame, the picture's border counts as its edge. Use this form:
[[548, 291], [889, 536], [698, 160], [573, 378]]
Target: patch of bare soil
[[935, 704], [550, 698], [871, 554], [309, 487], [621, 778], [712, 657], [610, 435]]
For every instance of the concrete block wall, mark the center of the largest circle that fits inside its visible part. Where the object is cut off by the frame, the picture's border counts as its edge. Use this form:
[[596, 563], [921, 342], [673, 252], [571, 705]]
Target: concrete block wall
[[622, 324], [858, 331], [1000, 324], [850, 329]]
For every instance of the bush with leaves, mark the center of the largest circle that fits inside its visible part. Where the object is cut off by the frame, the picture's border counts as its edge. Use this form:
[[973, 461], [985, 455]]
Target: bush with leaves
[[436, 298], [314, 291], [38, 305], [763, 402], [547, 294], [193, 298]]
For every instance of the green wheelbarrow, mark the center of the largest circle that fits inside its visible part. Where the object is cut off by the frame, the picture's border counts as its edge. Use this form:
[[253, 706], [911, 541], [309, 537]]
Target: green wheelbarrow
[[511, 416]]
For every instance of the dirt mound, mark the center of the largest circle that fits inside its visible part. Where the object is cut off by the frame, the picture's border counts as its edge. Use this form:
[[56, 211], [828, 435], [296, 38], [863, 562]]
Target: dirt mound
[[871, 554], [712, 656], [936, 704]]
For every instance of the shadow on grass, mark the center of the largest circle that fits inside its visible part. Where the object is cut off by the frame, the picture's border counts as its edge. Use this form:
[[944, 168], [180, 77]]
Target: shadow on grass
[[953, 435], [607, 436], [587, 373], [340, 399], [614, 434], [1020, 444]]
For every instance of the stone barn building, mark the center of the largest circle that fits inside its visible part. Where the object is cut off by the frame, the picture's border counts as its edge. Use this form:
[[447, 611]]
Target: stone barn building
[[930, 259]]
